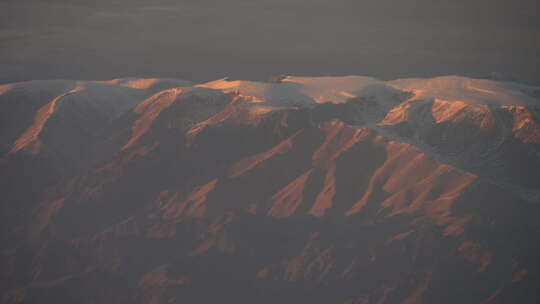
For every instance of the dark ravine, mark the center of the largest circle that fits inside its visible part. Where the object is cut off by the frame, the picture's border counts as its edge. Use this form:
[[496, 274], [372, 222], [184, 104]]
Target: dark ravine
[[162, 192]]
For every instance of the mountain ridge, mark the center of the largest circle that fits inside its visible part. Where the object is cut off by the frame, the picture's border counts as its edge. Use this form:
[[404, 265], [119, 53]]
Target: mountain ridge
[[321, 190]]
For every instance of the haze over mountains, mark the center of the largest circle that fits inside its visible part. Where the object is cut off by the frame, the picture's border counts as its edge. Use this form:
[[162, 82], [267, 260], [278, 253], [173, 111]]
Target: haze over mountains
[[208, 39], [297, 190]]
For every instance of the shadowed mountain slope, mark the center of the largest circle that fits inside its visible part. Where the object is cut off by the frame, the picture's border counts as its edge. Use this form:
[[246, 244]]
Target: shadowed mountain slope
[[157, 191]]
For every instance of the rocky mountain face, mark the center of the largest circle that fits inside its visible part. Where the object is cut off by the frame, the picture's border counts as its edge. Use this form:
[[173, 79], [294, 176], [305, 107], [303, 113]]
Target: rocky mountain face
[[304, 190]]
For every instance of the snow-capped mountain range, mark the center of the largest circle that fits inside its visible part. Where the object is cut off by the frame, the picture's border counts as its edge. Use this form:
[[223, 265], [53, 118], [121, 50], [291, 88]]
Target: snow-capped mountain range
[[301, 189]]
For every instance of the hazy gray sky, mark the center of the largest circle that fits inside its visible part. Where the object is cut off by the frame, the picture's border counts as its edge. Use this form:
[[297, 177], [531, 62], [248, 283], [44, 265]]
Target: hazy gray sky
[[206, 39]]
